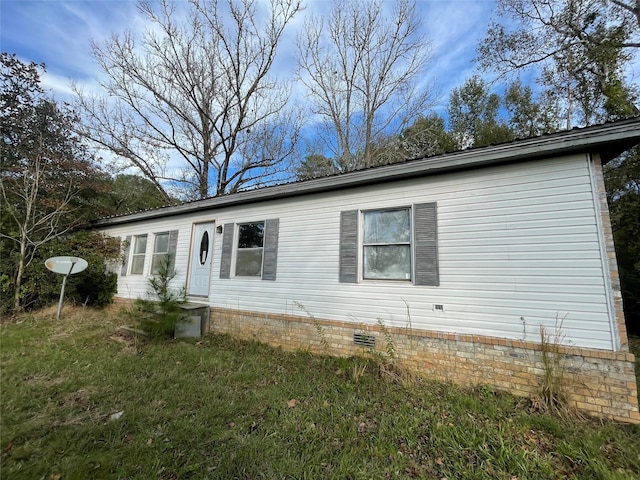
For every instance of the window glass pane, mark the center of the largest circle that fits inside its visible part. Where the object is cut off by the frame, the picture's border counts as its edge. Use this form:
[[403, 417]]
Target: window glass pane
[[249, 262], [388, 226], [204, 248], [389, 261], [137, 264], [250, 235], [162, 243], [156, 261], [141, 244]]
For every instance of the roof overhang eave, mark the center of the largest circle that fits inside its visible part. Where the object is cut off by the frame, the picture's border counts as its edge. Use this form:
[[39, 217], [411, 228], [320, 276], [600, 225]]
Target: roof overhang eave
[[608, 140]]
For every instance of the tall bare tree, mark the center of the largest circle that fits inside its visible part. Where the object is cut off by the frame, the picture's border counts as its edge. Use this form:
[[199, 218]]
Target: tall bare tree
[[194, 90], [363, 66]]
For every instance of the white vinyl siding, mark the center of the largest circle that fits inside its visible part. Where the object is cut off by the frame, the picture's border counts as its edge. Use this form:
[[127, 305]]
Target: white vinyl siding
[[517, 247]]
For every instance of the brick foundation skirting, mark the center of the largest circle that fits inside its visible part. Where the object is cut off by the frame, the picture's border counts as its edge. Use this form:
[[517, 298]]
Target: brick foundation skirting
[[597, 382]]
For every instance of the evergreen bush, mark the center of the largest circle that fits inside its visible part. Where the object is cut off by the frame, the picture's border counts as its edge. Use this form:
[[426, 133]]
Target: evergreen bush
[[159, 314]]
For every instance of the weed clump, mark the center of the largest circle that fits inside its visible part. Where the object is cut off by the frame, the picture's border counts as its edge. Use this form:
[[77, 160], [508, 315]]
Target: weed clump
[[552, 395], [320, 330]]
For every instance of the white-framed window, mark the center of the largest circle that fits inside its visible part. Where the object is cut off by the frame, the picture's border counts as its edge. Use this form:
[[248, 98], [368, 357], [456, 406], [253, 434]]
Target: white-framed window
[[249, 249], [138, 254], [160, 251], [386, 244], [395, 243]]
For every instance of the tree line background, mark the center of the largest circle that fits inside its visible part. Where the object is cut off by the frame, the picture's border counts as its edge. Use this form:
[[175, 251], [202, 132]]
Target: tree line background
[[191, 108]]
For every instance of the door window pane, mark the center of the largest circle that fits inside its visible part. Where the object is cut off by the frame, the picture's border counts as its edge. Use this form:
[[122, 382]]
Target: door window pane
[[204, 248]]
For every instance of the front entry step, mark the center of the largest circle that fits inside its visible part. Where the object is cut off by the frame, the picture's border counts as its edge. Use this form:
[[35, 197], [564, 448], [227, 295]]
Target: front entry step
[[196, 321]]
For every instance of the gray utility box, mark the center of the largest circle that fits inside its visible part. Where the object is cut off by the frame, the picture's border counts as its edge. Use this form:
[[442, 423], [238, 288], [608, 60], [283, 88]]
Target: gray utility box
[[195, 321]]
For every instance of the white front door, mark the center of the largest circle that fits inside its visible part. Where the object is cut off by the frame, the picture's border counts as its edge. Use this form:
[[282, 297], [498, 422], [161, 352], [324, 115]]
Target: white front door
[[201, 253]]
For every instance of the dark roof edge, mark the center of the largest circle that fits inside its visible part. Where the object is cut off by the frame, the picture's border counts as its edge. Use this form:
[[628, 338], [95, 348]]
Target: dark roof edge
[[609, 140]]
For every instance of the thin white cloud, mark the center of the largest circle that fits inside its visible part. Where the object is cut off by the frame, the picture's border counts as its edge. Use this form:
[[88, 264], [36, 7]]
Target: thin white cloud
[[59, 33], [455, 29], [59, 86]]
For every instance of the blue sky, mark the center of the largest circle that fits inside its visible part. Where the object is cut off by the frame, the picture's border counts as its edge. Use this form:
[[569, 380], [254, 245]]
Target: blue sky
[[58, 33]]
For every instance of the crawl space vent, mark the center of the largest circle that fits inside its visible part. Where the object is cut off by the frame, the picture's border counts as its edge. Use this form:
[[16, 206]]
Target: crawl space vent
[[363, 340]]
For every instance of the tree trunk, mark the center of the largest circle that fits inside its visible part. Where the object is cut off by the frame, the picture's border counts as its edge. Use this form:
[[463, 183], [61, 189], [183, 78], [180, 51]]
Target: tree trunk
[[19, 274], [203, 181]]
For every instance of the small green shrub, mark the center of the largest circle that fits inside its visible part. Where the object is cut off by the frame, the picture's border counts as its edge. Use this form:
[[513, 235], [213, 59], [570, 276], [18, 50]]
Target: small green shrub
[[159, 314]]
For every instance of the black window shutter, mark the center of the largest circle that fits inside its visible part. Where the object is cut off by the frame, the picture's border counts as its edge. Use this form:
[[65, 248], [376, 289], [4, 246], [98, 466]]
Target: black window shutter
[[173, 244], [227, 251], [425, 224], [270, 252], [349, 246], [125, 263]]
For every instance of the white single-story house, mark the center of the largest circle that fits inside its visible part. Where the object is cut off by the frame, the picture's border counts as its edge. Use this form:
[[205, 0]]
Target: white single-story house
[[462, 257]]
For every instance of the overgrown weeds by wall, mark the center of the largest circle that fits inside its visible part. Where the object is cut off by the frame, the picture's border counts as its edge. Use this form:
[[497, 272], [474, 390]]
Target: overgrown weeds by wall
[[504, 364]]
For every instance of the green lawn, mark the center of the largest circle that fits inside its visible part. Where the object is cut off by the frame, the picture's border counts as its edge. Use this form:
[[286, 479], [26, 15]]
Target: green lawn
[[220, 408]]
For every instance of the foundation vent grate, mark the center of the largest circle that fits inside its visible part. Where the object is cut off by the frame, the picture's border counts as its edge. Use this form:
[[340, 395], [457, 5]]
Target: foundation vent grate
[[363, 340]]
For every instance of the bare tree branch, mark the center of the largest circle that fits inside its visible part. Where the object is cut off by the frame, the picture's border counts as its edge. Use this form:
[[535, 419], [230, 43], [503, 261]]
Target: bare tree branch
[[361, 66], [578, 46], [184, 98]]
